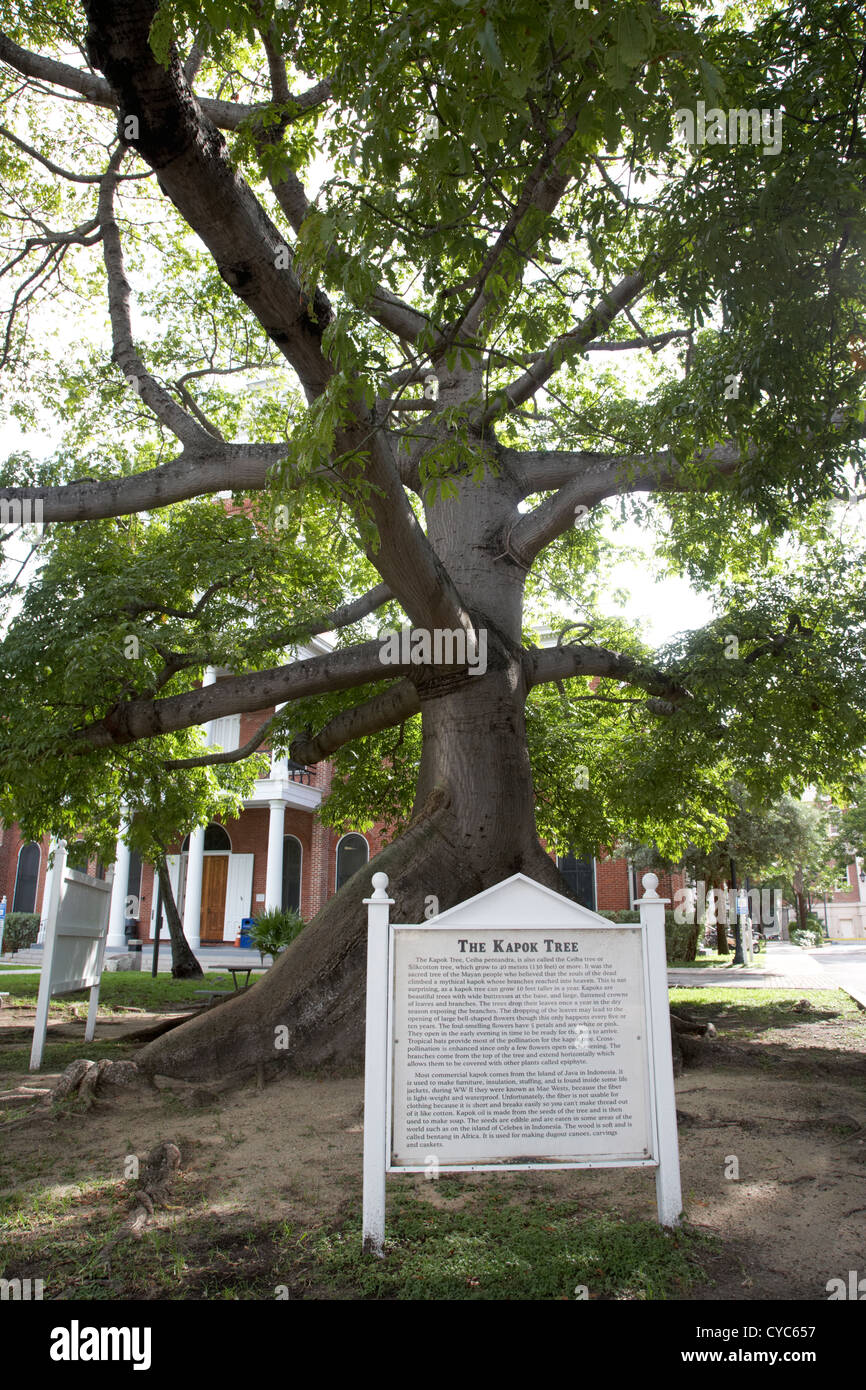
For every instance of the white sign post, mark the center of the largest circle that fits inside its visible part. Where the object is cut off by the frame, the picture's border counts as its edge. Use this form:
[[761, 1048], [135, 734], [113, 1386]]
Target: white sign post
[[376, 1065], [517, 1030], [76, 925]]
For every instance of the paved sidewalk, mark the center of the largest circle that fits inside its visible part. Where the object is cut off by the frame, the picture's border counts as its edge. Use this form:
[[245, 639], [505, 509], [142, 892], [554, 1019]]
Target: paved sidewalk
[[787, 967], [845, 965]]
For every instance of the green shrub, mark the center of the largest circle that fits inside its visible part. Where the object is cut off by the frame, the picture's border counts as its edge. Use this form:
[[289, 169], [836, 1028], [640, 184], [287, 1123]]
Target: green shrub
[[681, 938], [808, 939], [274, 930], [21, 930]]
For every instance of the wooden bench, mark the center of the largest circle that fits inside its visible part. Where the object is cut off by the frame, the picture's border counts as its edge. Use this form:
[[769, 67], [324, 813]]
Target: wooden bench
[[213, 994]]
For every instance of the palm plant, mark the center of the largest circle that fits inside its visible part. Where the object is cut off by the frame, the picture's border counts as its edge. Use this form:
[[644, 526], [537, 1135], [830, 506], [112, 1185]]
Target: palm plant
[[274, 930]]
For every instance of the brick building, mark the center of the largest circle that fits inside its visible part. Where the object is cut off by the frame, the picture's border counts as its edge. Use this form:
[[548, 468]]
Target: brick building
[[846, 907]]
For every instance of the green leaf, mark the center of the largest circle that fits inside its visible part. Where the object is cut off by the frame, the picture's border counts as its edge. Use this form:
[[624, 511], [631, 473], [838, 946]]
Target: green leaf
[[161, 35]]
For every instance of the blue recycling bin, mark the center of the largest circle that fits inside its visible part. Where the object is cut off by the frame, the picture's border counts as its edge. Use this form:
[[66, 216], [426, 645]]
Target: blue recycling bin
[[246, 940]]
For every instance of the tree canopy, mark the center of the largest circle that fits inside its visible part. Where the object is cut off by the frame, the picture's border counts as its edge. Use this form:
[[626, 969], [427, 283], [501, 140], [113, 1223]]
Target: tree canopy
[[374, 273]]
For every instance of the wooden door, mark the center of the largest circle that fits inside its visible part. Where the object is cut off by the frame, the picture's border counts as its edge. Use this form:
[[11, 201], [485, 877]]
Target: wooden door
[[213, 896]]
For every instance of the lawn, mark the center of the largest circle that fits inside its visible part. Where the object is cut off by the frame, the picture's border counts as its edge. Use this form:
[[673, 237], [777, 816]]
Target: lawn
[[127, 989], [702, 962], [746, 1013], [120, 995], [496, 1247], [498, 1243]]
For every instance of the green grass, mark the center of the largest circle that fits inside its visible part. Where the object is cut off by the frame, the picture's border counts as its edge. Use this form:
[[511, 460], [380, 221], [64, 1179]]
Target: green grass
[[702, 962], [744, 1011], [57, 1056], [493, 1248], [61, 1237], [497, 1245], [124, 989], [10, 965]]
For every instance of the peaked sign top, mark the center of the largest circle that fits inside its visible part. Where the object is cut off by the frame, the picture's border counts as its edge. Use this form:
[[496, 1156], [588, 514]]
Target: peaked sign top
[[518, 902]]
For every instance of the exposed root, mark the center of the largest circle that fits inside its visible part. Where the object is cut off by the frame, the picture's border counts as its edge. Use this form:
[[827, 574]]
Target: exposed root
[[85, 1080], [155, 1179], [685, 1046]]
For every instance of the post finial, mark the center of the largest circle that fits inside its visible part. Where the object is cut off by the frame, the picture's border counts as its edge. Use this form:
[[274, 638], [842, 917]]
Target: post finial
[[380, 885], [650, 884]]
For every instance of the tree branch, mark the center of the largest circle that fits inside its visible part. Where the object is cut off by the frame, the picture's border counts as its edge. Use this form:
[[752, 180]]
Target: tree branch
[[390, 707], [130, 720], [575, 659], [48, 163], [539, 470], [540, 193], [343, 616], [567, 346], [194, 473], [651, 473], [235, 756], [188, 430], [653, 341], [226, 115], [182, 144]]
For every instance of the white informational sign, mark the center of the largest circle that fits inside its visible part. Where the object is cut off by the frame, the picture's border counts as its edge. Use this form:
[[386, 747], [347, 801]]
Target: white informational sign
[[517, 1045], [517, 1030], [76, 927]]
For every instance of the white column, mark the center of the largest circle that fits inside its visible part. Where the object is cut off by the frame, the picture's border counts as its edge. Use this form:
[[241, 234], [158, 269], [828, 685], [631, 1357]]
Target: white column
[[195, 859], [192, 896], [669, 1197], [278, 760], [117, 912], [376, 1067], [274, 878]]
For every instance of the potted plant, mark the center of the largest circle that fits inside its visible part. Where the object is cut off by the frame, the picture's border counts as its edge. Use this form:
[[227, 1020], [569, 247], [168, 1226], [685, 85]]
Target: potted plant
[[274, 930]]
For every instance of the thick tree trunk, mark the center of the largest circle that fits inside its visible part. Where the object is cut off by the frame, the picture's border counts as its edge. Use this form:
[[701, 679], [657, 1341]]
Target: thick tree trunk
[[184, 965], [473, 827], [800, 897], [721, 909]]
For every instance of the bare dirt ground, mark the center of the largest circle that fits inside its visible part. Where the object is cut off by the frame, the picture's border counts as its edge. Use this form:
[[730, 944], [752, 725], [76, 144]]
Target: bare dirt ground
[[782, 1113]]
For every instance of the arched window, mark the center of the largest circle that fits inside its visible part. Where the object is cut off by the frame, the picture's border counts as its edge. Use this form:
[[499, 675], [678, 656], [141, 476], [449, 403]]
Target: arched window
[[353, 853], [26, 878], [580, 876], [216, 840], [291, 901]]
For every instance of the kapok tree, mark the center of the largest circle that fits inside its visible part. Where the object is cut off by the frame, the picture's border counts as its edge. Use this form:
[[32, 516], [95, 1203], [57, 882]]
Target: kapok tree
[[507, 212]]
